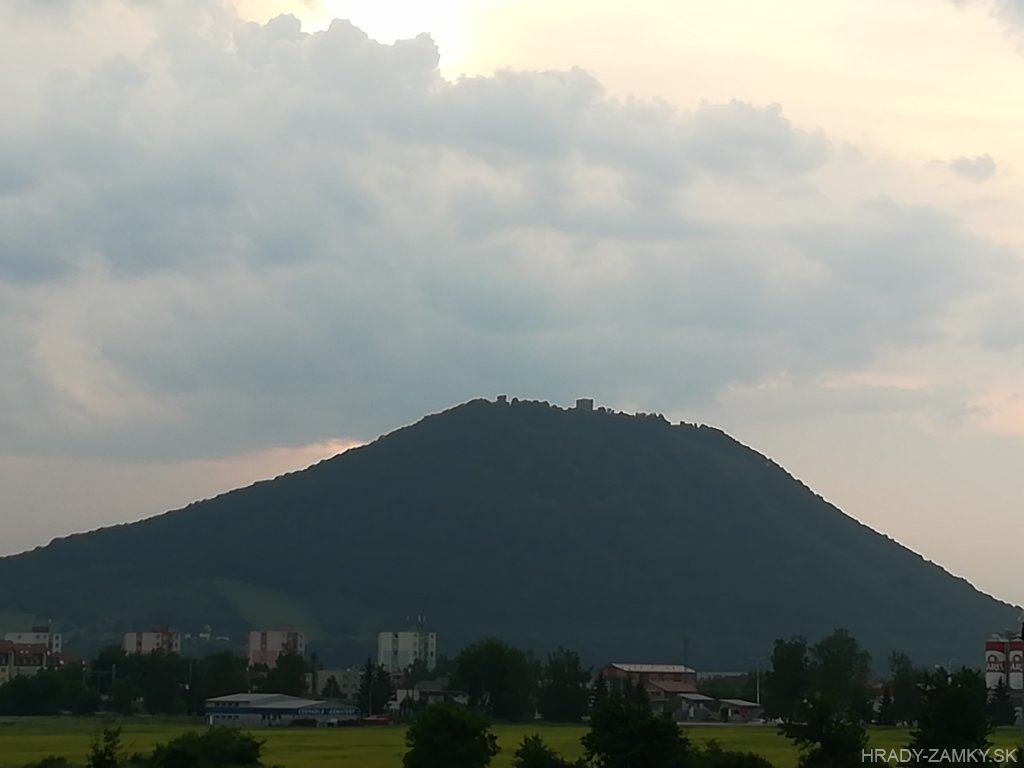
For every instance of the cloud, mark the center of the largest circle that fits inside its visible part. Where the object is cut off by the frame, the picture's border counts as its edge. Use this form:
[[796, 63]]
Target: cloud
[[1011, 12], [233, 235], [980, 168]]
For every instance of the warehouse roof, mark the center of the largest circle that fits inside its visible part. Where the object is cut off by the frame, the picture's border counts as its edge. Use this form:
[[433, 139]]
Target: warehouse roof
[[267, 700], [655, 668]]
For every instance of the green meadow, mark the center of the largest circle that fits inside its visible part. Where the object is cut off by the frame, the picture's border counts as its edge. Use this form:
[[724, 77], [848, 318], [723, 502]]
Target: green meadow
[[25, 740]]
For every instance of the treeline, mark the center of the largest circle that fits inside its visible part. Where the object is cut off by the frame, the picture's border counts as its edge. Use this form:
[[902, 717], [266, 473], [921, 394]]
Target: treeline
[[824, 696], [156, 683], [624, 733], [503, 682], [213, 748]]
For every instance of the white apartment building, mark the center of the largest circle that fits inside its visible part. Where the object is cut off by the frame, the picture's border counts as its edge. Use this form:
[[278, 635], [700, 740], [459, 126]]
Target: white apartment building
[[39, 635], [396, 651]]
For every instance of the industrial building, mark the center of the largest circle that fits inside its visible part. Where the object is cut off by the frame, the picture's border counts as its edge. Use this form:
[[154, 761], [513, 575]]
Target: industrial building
[[657, 679], [270, 710]]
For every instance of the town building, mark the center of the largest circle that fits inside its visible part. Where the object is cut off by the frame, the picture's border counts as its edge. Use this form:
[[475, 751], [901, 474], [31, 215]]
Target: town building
[[657, 679], [1004, 661], [269, 710], [662, 682], [698, 707], [397, 651], [21, 659], [6, 661], [740, 710], [265, 646], [429, 692], [40, 634], [348, 682], [159, 639]]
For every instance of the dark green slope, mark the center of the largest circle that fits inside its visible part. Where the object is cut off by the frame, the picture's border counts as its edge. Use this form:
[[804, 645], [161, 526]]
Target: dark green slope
[[625, 537]]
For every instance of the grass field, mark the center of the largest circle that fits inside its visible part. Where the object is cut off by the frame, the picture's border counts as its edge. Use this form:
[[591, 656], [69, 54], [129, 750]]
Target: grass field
[[26, 740]]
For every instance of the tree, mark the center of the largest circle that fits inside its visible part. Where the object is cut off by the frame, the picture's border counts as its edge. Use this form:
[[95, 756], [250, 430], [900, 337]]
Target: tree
[[214, 748], [625, 734], [218, 674], [600, 690], [636, 693], [886, 714], [41, 694], [534, 753], [375, 689], [787, 683], [723, 687], [953, 712], [906, 689], [840, 671], [563, 693], [332, 690], [162, 679], [288, 676], [449, 736], [123, 695], [827, 736], [1001, 709], [106, 750], [500, 680]]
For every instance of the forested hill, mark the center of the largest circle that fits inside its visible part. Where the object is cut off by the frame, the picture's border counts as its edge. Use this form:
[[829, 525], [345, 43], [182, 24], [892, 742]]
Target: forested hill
[[626, 537]]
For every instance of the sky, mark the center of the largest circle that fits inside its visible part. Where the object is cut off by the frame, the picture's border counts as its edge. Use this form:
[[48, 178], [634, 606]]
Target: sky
[[236, 238]]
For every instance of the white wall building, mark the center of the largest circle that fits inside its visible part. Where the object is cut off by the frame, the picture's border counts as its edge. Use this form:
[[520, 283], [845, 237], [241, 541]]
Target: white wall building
[[268, 710], [39, 635], [396, 651]]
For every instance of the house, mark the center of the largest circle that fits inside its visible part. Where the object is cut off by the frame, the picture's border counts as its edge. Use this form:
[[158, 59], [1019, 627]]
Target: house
[[425, 692], [740, 710], [662, 682], [265, 646], [270, 710], [698, 707], [160, 639], [21, 659]]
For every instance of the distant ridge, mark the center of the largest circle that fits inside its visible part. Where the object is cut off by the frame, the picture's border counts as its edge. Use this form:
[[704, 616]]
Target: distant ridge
[[626, 537]]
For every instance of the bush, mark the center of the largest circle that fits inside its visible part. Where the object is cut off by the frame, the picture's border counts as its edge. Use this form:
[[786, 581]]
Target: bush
[[106, 749], [215, 748], [534, 753], [713, 756], [51, 762]]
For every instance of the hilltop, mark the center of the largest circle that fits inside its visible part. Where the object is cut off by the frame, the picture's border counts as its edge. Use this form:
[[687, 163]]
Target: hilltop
[[627, 537]]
